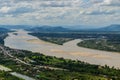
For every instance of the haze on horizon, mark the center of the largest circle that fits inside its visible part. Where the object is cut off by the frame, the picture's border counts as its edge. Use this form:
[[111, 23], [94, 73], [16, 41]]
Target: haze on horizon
[[60, 12]]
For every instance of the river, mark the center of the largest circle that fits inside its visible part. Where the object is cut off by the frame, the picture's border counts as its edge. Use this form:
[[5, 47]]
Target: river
[[22, 40]]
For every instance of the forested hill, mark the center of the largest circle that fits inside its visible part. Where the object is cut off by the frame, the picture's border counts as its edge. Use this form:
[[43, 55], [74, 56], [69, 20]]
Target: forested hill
[[3, 34], [49, 29], [15, 26], [3, 30], [44, 28], [110, 28]]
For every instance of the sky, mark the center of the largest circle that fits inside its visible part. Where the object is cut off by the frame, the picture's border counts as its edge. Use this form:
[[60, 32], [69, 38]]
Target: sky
[[60, 12]]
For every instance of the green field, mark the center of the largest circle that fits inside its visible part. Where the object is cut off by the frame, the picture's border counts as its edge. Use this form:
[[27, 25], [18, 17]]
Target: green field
[[101, 44]]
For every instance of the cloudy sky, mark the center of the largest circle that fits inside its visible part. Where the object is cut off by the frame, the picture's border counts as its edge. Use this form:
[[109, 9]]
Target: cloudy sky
[[60, 12]]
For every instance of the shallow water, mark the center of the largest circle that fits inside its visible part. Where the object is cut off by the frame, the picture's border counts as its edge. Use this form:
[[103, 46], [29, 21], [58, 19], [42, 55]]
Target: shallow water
[[69, 50]]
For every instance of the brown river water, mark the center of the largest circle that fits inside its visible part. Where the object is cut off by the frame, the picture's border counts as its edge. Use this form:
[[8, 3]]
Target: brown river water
[[68, 50]]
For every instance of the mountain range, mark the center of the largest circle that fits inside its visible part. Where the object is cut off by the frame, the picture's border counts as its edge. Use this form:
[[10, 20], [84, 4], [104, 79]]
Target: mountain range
[[3, 30], [49, 29], [110, 28], [63, 29], [115, 27]]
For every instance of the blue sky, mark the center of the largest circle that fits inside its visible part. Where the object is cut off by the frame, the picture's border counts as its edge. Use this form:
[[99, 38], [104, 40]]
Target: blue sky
[[60, 12]]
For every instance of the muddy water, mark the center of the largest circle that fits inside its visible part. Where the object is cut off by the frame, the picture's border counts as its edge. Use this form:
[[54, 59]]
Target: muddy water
[[69, 50]]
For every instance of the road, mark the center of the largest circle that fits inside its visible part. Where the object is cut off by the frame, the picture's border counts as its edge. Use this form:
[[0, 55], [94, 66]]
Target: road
[[5, 52]]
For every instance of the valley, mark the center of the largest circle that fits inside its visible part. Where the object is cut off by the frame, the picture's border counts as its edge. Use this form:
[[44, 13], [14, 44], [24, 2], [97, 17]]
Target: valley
[[50, 60], [59, 39]]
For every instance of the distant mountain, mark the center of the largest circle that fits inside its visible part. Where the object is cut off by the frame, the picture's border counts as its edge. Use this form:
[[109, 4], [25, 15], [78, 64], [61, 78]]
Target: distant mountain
[[110, 28], [80, 27], [15, 26], [3, 30], [115, 27], [49, 29], [45, 28], [69, 29]]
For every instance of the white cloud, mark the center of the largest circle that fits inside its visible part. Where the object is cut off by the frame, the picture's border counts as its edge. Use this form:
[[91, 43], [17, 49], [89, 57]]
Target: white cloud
[[111, 3], [4, 9], [54, 12]]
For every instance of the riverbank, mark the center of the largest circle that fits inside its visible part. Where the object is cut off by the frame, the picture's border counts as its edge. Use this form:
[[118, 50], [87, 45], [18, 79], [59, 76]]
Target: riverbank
[[39, 66], [102, 44]]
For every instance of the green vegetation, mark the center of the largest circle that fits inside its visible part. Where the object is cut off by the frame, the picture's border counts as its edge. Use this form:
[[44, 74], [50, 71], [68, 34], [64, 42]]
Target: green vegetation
[[6, 76], [2, 36], [62, 75], [45, 72], [54, 40], [101, 44], [44, 67], [62, 37]]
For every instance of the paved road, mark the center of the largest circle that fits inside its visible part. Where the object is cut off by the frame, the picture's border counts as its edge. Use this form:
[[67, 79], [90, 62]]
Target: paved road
[[23, 62], [21, 76], [7, 53]]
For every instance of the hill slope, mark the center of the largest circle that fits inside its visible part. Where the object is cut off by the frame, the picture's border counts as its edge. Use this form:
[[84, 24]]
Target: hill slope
[[110, 28], [3, 30], [62, 29], [49, 29]]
